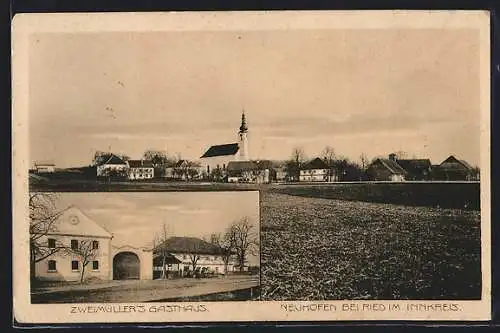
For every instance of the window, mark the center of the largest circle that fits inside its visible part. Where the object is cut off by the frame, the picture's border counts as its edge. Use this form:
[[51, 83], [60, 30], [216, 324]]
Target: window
[[52, 265], [95, 245], [52, 243], [95, 265], [74, 244], [74, 265]]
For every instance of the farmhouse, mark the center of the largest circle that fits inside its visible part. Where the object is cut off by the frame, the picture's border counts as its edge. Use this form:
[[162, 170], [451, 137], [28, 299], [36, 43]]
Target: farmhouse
[[76, 238], [185, 255], [417, 169], [315, 171], [383, 169], [111, 165], [45, 167], [454, 169], [218, 156], [140, 169], [249, 171]]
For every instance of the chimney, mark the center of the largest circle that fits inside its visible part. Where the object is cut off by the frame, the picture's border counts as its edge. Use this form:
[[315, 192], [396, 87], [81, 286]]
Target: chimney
[[392, 157]]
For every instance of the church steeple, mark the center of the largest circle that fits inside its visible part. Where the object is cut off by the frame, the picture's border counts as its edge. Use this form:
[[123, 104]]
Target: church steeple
[[243, 143], [243, 127]]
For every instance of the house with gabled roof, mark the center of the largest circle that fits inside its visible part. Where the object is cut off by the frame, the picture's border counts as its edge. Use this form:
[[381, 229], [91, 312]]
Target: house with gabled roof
[[417, 169], [249, 171], [71, 231], [386, 169], [140, 169], [454, 169], [316, 170], [111, 165], [190, 255]]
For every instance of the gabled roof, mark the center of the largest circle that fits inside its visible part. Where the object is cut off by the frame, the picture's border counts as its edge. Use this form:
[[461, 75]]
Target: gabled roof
[[316, 163], [414, 164], [392, 166], [73, 221], [453, 163], [111, 159], [140, 164], [189, 245], [222, 150]]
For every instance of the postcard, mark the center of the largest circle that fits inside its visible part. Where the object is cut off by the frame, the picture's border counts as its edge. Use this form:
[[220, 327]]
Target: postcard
[[251, 166]]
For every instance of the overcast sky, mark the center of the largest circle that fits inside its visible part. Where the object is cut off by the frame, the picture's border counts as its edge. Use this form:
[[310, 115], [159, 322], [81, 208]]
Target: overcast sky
[[360, 91], [134, 218]]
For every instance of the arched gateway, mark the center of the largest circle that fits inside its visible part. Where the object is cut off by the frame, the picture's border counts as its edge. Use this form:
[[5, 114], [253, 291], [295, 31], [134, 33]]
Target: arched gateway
[[126, 266], [131, 263]]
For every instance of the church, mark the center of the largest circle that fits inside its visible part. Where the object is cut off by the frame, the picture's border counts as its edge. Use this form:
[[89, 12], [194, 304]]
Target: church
[[218, 157]]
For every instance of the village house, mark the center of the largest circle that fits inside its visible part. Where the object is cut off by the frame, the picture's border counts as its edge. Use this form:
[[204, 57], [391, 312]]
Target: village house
[[184, 170], [111, 165], [259, 172], [72, 232], [217, 157], [417, 169], [182, 252], [44, 167], [140, 169], [453, 169], [383, 169], [76, 237], [316, 170]]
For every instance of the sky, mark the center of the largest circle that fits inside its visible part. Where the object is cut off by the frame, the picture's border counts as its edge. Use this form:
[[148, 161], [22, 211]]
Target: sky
[[359, 91], [134, 218]]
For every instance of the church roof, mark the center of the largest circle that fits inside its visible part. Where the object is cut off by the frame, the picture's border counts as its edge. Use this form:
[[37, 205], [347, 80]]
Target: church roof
[[222, 150]]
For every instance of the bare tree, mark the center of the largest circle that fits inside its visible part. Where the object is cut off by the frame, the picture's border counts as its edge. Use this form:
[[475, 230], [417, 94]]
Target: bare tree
[[193, 258], [43, 217], [295, 163], [364, 161], [245, 240], [86, 252], [328, 155], [160, 246], [226, 243]]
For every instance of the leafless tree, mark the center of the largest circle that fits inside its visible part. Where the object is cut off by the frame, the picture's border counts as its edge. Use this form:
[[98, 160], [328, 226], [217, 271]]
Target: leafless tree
[[86, 253], [329, 156], [295, 163], [246, 240], [364, 161], [226, 243], [160, 246], [43, 217]]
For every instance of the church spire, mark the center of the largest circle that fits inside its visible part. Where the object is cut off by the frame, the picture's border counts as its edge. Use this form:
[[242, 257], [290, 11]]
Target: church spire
[[243, 127]]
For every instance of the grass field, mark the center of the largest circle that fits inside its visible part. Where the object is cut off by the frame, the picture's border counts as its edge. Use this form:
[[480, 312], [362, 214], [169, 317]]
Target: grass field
[[317, 249]]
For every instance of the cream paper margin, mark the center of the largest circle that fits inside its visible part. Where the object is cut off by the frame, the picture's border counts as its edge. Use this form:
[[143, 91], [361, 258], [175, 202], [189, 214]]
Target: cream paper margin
[[25, 24]]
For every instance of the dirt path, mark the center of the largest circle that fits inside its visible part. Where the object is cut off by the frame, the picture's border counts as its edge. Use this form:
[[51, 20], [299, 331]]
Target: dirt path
[[143, 291]]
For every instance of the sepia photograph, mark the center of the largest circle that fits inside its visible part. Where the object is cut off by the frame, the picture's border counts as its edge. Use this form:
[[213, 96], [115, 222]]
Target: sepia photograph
[[286, 158], [144, 247]]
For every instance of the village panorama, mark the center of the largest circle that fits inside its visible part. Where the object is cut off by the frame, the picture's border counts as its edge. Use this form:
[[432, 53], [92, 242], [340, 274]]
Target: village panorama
[[232, 163]]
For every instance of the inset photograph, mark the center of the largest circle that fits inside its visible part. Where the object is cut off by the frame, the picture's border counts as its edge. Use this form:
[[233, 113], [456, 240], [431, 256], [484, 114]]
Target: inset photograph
[[144, 247]]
